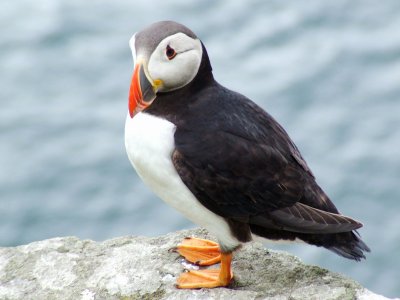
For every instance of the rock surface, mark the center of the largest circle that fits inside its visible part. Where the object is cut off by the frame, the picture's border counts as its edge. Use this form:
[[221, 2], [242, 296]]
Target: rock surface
[[144, 268]]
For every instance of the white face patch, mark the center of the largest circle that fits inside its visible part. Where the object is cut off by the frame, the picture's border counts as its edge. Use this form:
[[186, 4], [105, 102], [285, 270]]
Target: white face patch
[[179, 71], [132, 46]]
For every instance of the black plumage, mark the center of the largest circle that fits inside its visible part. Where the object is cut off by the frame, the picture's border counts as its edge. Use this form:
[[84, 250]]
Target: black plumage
[[242, 165]]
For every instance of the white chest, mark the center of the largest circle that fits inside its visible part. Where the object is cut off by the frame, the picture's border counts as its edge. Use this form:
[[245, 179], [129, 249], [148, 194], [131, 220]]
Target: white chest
[[149, 143]]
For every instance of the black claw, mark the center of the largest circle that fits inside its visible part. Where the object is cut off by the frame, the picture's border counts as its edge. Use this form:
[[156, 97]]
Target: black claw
[[187, 238], [197, 263], [173, 249]]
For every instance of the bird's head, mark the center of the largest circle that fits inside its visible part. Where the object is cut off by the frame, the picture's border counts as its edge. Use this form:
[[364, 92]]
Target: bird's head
[[167, 56]]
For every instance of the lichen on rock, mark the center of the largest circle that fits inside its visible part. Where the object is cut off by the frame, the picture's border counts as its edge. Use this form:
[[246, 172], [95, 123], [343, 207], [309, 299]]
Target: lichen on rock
[[144, 268]]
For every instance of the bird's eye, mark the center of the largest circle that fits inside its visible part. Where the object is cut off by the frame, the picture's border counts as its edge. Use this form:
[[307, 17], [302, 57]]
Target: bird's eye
[[170, 52]]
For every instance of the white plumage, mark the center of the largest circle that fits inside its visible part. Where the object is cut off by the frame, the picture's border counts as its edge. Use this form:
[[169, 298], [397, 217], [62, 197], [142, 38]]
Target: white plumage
[[149, 143]]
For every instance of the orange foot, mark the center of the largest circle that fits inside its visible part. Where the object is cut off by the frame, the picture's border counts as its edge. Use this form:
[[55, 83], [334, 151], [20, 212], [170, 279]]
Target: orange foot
[[200, 252], [204, 253]]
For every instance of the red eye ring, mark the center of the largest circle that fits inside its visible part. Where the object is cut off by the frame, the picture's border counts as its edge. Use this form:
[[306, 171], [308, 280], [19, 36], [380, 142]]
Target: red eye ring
[[170, 52]]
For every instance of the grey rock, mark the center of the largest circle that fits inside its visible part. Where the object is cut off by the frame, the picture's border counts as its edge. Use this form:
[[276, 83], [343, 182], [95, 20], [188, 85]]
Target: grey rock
[[145, 268]]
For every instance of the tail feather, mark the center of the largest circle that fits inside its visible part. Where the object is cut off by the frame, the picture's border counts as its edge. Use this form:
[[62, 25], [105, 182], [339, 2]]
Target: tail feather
[[345, 244], [314, 220], [352, 250]]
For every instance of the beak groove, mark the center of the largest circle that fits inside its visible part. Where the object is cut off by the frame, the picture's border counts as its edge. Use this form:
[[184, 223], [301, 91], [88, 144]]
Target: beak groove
[[141, 93]]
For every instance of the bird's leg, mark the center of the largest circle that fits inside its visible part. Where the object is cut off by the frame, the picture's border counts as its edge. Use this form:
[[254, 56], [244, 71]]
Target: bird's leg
[[210, 278], [199, 251]]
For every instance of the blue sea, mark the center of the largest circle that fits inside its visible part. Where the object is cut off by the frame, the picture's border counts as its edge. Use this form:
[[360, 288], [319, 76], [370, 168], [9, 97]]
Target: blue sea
[[328, 71]]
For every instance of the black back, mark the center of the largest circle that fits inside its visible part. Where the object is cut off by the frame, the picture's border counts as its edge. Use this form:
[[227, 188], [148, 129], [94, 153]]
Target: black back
[[242, 165]]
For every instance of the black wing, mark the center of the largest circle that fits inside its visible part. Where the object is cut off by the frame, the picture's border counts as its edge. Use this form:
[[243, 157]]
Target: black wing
[[235, 177], [241, 164]]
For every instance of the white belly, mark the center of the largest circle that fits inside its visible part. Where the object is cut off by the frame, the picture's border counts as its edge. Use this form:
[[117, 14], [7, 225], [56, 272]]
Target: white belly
[[149, 142]]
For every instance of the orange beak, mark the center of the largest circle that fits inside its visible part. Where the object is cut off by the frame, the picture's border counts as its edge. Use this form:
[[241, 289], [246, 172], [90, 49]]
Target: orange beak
[[141, 93]]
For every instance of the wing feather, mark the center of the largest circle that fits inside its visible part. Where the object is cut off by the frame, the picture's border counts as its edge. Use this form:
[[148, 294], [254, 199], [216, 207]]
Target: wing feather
[[305, 219], [242, 165]]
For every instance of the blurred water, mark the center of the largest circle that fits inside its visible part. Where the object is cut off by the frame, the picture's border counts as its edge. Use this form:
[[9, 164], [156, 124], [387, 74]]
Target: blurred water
[[329, 72]]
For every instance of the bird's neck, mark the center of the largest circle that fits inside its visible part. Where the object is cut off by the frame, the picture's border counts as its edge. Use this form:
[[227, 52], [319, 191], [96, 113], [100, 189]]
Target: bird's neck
[[173, 105]]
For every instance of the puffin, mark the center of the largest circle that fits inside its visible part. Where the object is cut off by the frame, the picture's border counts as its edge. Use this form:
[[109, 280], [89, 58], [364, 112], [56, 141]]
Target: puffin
[[221, 160]]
